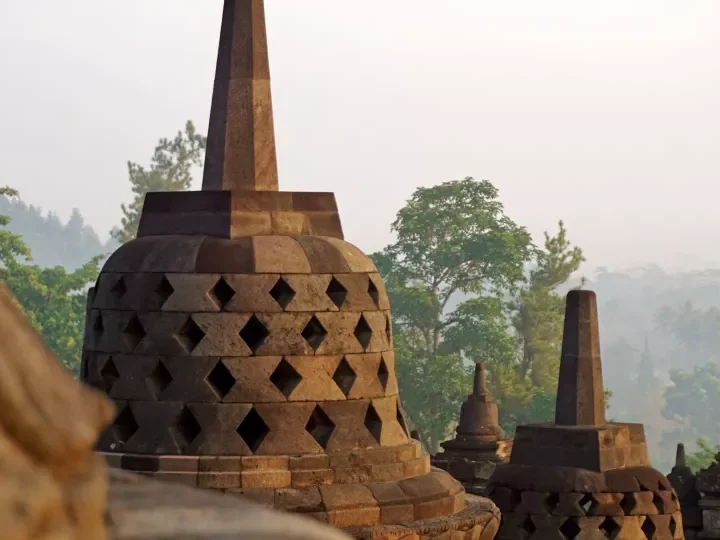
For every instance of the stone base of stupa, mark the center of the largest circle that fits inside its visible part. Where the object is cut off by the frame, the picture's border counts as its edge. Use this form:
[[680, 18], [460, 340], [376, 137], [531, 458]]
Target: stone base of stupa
[[374, 493], [470, 464]]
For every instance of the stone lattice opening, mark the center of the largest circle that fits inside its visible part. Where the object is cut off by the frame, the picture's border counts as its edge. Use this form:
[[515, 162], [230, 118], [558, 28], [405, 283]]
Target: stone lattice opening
[[673, 526], [314, 333], [373, 292], [164, 290], [628, 503], [320, 427], [388, 330], [254, 334], [528, 526], [363, 333], [383, 374], [222, 293], [109, 375], [373, 423], [134, 332], [570, 528], [587, 503], [285, 378], [190, 335], [253, 430], [648, 528], [159, 379], [401, 417], [125, 425], [609, 528], [221, 381], [337, 293], [187, 428], [659, 503], [98, 327], [551, 502], [119, 289], [282, 293], [345, 377]]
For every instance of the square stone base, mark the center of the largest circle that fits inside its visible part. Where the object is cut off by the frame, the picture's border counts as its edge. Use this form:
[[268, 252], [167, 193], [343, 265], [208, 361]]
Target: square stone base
[[595, 448]]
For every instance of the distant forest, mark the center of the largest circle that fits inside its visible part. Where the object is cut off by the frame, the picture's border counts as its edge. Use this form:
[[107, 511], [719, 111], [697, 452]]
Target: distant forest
[[52, 242]]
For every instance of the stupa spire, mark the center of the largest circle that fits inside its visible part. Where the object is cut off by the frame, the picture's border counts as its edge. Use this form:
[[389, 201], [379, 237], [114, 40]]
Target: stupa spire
[[241, 153], [580, 397]]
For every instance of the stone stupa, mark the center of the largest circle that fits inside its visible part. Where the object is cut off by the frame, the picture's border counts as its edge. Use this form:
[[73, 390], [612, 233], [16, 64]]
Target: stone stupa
[[248, 347], [479, 445], [582, 477]]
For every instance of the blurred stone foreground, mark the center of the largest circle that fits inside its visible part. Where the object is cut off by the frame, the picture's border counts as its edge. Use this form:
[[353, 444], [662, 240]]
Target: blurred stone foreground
[[52, 485]]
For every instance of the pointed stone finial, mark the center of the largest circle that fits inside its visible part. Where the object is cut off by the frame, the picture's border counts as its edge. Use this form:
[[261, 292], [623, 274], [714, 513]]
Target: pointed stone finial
[[580, 396], [241, 152], [680, 460], [479, 385]]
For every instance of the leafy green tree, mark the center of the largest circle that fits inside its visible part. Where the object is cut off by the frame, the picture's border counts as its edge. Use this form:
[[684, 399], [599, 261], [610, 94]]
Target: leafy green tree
[[452, 239], [52, 298], [170, 169], [703, 457]]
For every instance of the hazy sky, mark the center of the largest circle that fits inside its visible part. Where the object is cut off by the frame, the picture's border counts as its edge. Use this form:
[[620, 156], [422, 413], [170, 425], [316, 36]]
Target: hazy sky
[[605, 114]]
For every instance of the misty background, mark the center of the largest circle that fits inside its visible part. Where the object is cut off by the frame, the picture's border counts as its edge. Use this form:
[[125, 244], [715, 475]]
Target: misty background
[[605, 115]]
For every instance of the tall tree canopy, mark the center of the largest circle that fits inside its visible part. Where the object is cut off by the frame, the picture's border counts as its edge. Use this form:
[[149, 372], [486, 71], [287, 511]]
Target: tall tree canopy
[[170, 169], [52, 298]]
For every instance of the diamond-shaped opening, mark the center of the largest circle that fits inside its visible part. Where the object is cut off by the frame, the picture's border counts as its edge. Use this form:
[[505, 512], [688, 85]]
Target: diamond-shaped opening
[[119, 289], [222, 293], [125, 425], [648, 528], [254, 334], [98, 326], [644, 487], [337, 293], [383, 374], [673, 526], [253, 430], [373, 423], [609, 528], [109, 375], [363, 333], [282, 293], [570, 528], [344, 377], [388, 330], [134, 332], [628, 503], [586, 503], [320, 427], [373, 292], [528, 526], [164, 290], [187, 427], [314, 333], [401, 418], [190, 335], [285, 378], [551, 502], [159, 379], [659, 503], [221, 380]]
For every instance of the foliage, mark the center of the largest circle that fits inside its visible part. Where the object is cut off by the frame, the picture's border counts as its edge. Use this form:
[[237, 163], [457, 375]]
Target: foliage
[[52, 298], [452, 238], [170, 170], [703, 456]]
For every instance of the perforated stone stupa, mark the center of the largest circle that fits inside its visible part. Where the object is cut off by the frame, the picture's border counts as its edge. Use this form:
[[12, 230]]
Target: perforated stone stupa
[[248, 347], [478, 447], [582, 477]]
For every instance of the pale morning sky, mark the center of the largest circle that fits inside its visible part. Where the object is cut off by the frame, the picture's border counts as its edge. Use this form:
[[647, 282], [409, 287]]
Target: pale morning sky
[[605, 114]]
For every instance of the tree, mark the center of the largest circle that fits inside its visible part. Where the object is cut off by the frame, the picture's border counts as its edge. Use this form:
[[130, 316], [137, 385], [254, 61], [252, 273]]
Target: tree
[[452, 239], [703, 457], [170, 170], [53, 299]]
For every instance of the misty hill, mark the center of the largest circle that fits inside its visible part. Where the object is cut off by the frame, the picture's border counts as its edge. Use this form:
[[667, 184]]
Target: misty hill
[[52, 242]]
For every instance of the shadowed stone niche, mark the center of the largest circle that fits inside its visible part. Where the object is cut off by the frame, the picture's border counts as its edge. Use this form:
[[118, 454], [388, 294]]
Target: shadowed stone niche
[[248, 346], [582, 477], [471, 457], [708, 484], [684, 482]]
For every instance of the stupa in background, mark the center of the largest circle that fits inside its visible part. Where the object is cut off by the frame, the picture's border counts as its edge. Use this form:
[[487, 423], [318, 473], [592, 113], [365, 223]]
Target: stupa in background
[[582, 477], [248, 347], [478, 447]]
